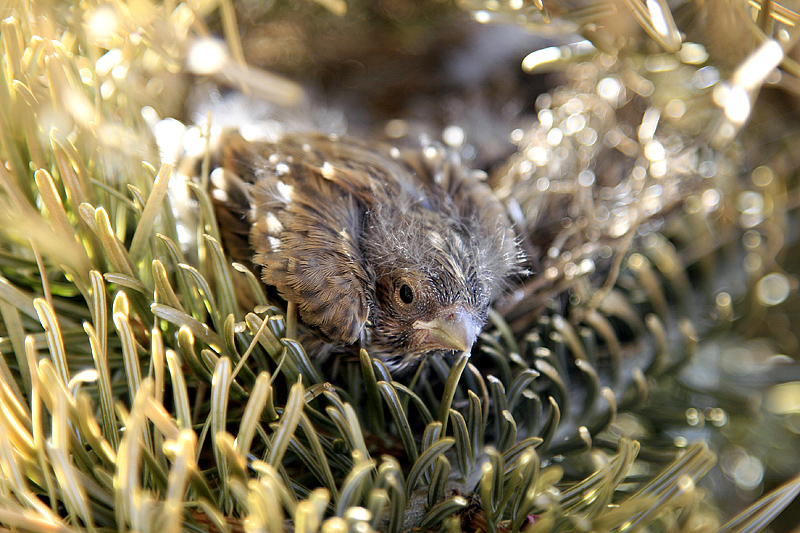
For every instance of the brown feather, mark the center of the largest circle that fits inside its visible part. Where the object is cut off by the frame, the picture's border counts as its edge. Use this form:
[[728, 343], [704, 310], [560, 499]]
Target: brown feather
[[366, 237]]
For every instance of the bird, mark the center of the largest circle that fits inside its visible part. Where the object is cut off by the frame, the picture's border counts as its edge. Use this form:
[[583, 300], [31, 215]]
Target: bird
[[400, 251]]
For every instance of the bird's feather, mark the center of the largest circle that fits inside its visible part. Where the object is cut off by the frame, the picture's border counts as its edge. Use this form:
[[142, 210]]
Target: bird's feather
[[394, 241]]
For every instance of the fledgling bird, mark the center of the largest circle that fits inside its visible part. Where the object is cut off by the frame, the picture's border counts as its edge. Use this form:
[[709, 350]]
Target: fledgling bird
[[401, 249]]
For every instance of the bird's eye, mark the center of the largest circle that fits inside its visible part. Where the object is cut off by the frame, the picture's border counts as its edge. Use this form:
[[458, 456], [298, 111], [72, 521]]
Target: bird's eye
[[406, 294]]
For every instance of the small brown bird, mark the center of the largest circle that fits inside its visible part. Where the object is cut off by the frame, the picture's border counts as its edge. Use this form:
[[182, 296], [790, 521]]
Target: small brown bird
[[402, 249]]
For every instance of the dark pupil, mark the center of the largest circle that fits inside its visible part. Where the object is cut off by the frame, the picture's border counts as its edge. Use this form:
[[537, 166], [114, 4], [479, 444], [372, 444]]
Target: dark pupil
[[406, 294]]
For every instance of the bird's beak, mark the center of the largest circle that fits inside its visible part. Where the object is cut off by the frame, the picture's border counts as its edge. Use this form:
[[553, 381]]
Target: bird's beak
[[453, 329]]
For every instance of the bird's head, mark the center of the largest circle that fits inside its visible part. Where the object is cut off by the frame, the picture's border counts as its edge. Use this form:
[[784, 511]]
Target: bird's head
[[418, 313], [429, 294]]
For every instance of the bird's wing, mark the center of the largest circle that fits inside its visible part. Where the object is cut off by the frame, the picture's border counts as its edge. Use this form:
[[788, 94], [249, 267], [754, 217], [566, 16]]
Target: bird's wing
[[374, 175], [303, 231]]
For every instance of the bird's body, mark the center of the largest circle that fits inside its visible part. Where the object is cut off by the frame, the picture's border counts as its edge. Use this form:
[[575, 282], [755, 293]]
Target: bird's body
[[404, 249]]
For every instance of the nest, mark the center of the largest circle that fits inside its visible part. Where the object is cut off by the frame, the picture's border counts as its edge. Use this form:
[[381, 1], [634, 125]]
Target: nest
[[654, 188]]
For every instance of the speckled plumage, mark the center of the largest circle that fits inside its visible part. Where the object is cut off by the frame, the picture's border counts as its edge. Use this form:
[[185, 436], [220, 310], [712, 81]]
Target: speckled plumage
[[405, 249]]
